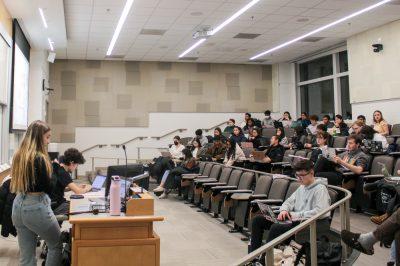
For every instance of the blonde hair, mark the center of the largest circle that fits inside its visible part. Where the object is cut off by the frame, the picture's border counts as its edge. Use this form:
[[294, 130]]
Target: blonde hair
[[23, 164]]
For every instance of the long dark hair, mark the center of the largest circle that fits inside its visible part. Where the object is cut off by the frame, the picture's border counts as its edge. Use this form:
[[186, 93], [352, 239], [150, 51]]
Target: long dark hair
[[231, 151], [367, 132], [240, 131], [198, 142], [219, 130], [290, 117], [373, 116], [187, 153], [282, 135]]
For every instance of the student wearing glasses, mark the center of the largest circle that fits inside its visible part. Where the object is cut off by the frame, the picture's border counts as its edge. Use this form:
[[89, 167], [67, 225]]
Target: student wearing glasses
[[309, 199]]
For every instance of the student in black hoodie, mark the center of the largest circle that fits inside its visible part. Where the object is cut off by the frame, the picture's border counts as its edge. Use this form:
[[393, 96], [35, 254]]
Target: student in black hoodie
[[255, 138], [273, 154]]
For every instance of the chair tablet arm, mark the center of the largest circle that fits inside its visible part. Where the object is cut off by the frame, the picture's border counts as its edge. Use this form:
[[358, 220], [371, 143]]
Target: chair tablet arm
[[279, 163], [258, 196], [241, 196], [193, 177], [268, 201], [393, 136], [368, 177], [222, 188], [350, 173], [205, 180], [238, 191], [214, 184], [395, 153]]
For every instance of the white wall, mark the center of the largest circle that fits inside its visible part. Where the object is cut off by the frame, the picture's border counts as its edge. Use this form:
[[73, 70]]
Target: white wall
[[286, 86], [374, 77]]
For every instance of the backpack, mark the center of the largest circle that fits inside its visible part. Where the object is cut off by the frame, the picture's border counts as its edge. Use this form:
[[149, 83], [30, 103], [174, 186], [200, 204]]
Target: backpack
[[328, 253]]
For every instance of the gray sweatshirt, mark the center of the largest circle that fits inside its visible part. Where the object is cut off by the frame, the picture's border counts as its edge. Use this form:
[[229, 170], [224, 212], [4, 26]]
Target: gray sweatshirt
[[307, 201]]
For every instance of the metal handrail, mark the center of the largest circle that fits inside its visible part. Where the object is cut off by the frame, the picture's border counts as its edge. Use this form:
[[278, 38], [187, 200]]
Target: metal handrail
[[221, 124], [144, 137], [94, 146], [343, 204]]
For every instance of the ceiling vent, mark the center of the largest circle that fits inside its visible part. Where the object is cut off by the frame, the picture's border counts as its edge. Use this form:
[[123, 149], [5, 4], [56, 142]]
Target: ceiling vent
[[189, 58], [152, 32], [312, 39], [249, 36]]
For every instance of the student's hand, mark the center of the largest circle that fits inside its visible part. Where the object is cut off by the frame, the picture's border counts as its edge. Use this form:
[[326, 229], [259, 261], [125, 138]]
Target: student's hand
[[87, 188], [307, 145], [283, 215], [337, 160]]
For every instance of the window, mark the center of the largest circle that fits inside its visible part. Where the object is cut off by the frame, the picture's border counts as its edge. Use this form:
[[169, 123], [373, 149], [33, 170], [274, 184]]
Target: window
[[317, 98], [324, 85], [317, 68]]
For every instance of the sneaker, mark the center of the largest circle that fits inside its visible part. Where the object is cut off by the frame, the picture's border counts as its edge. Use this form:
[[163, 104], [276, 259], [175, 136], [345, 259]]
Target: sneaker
[[158, 189], [163, 196]]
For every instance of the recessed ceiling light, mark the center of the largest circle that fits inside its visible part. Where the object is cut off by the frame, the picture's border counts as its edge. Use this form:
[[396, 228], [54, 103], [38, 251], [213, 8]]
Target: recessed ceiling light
[[196, 13], [121, 22], [43, 18], [222, 25], [321, 29], [303, 20]]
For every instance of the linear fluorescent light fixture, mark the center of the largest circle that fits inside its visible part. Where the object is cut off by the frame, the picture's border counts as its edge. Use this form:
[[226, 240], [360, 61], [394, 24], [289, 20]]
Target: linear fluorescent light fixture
[[222, 25], [43, 18], [121, 22], [50, 44], [234, 16], [355, 14]]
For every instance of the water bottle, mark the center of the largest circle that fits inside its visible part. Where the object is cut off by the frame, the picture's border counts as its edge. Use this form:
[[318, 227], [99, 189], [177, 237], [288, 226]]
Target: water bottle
[[115, 200]]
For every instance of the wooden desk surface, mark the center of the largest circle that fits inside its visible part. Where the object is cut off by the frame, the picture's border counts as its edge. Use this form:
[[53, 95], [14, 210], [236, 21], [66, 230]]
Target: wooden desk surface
[[78, 205]]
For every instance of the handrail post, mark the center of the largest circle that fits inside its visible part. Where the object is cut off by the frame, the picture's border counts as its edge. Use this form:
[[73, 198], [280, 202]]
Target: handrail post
[[117, 161], [269, 256], [138, 153], [313, 243], [343, 226], [92, 164]]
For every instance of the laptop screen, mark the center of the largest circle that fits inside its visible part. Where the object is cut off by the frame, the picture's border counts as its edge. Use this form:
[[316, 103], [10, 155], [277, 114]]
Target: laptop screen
[[99, 181], [122, 190]]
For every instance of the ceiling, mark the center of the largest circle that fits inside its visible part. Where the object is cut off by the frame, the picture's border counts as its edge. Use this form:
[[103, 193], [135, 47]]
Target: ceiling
[[90, 25]]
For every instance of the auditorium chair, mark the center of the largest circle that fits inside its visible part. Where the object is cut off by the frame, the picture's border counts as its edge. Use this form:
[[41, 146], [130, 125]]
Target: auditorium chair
[[214, 175], [245, 184], [293, 185], [289, 132], [212, 190], [268, 132], [187, 141], [242, 200], [206, 193], [287, 160], [395, 132]]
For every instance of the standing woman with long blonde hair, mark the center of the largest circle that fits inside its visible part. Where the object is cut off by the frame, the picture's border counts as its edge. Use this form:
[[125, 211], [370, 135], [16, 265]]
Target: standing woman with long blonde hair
[[31, 214]]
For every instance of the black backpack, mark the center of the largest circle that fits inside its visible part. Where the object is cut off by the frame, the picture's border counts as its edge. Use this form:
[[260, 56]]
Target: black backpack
[[328, 253]]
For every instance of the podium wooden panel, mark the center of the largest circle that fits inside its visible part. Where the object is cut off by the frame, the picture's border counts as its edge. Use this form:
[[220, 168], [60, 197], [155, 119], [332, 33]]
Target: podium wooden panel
[[113, 240]]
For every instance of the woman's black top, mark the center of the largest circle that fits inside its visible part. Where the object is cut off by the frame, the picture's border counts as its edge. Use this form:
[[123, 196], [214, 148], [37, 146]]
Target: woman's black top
[[42, 177], [256, 142]]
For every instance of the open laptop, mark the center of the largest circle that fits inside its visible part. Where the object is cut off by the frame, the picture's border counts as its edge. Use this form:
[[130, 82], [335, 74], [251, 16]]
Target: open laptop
[[98, 183], [258, 155]]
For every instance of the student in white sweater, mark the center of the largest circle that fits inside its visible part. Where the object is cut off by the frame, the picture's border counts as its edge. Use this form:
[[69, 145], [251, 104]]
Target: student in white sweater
[[234, 154]]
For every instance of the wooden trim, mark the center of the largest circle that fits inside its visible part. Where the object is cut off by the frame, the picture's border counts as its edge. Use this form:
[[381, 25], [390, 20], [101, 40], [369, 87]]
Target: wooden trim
[[115, 219]]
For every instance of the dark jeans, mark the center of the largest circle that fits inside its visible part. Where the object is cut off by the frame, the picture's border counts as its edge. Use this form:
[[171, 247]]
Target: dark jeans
[[174, 178], [325, 168], [389, 230], [260, 224], [161, 164]]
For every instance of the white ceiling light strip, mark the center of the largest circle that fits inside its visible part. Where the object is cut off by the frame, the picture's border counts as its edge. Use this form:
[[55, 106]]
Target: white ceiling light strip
[[192, 47], [222, 25], [121, 22], [50, 44], [43, 18], [321, 29]]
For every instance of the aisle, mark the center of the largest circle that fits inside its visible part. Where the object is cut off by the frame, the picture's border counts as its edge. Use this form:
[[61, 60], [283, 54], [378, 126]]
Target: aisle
[[189, 237]]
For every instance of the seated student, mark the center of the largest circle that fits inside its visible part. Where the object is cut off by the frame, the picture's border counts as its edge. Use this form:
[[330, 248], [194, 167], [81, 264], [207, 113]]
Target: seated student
[[387, 233], [249, 125], [355, 160], [247, 116], [273, 154], [356, 127], [322, 142], [369, 133], [238, 136], [312, 128], [217, 151], [199, 135], [321, 128], [326, 120], [234, 155], [361, 118], [280, 132], [305, 122], [268, 121], [218, 133], [297, 143], [255, 138], [61, 179], [197, 149], [340, 128], [173, 180], [309, 199], [231, 125], [380, 125], [161, 164], [286, 119]]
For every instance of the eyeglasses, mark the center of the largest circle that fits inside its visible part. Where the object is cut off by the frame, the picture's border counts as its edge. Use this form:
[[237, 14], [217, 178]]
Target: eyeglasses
[[301, 176]]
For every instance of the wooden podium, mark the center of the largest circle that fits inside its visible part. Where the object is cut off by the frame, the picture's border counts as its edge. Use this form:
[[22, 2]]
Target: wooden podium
[[115, 240]]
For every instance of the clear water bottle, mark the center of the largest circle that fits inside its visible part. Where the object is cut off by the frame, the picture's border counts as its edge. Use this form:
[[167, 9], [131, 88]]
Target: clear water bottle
[[115, 200]]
